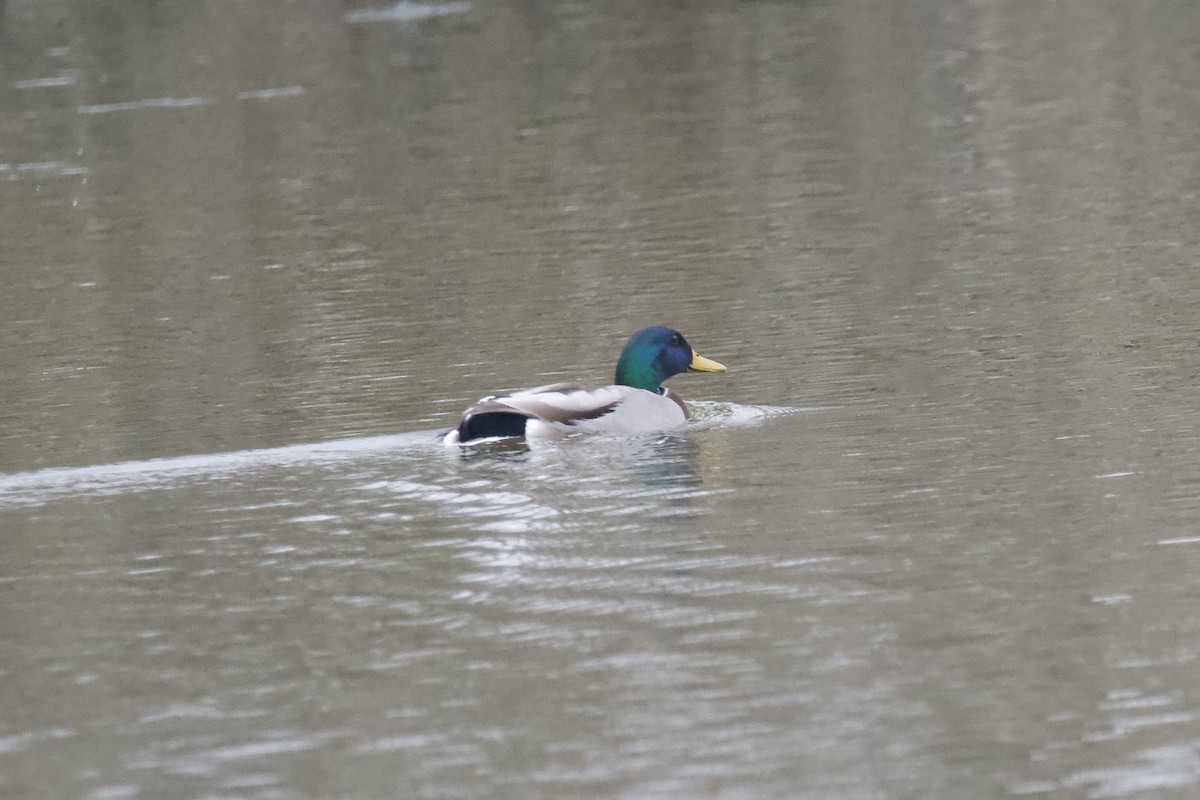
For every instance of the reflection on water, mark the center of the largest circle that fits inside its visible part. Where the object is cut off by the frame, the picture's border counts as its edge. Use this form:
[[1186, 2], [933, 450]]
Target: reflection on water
[[933, 536], [666, 460]]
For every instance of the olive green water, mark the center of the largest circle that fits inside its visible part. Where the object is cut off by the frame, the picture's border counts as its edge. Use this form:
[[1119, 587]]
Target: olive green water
[[936, 534]]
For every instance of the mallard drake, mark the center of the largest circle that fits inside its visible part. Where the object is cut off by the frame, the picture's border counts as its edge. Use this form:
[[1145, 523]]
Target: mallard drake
[[637, 402]]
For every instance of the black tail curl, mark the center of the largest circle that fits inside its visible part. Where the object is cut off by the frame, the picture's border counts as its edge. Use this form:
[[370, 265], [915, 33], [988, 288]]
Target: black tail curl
[[491, 424]]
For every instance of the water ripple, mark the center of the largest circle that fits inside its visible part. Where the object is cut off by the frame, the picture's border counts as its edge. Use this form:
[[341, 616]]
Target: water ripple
[[43, 486], [405, 11]]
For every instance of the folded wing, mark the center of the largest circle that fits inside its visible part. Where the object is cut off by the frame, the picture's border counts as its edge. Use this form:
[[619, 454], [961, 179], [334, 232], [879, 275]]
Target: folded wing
[[562, 405]]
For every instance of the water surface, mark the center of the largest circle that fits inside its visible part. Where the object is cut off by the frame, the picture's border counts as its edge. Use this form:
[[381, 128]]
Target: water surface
[[934, 535]]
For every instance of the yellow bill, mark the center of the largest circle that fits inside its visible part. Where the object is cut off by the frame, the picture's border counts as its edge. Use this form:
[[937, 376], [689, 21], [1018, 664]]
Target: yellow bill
[[702, 364]]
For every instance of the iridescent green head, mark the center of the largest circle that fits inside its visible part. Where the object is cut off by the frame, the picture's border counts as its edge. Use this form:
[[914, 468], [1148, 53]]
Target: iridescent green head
[[654, 354]]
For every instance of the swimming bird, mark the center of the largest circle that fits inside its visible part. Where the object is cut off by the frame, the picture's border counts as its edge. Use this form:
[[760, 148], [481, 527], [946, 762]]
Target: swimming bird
[[636, 402]]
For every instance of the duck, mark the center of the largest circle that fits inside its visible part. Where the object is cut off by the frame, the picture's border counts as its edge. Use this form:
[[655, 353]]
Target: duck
[[636, 401]]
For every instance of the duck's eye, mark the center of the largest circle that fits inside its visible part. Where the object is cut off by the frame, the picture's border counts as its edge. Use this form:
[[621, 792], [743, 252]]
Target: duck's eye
[[674, 339]]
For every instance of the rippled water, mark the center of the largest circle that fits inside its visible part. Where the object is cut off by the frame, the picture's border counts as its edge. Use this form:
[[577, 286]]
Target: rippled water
[[934, 534]]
